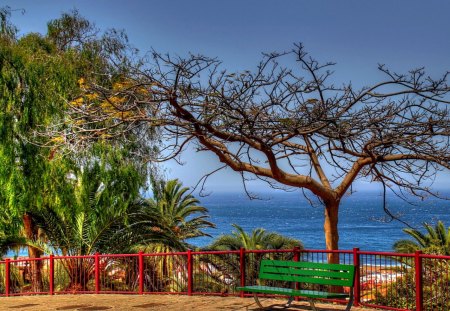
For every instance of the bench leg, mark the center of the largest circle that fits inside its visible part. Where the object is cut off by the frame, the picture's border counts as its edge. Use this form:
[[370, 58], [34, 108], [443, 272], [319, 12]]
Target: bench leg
[[350, 301], [313, 306], [288, 303], [257, 301]]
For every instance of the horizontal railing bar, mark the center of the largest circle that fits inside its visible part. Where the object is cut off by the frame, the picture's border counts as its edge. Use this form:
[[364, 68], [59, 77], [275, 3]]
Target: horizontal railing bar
[[434, 256], [217, 252], [325, 251], [389, 254]]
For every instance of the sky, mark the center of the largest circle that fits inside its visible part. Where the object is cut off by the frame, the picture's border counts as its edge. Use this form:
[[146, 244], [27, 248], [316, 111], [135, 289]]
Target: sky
[[357, 35]]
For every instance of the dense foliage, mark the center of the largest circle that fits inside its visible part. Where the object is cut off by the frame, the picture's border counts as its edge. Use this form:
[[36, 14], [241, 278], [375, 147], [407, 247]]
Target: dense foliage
[[53, 201], [435, 241]]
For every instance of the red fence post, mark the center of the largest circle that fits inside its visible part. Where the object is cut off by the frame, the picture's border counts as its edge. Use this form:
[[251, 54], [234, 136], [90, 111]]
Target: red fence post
[[51, 274], [419, 280], [7, 278], [189, 263], [141, 273], [357, 285], [242, 268], [97, 273], [296, 252]]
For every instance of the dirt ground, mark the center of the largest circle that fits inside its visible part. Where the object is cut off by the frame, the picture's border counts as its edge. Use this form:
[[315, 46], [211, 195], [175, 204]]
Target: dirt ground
[[151, 302]]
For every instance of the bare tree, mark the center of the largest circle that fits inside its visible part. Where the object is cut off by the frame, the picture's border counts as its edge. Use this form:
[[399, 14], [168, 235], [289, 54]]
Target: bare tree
[[286, 125]]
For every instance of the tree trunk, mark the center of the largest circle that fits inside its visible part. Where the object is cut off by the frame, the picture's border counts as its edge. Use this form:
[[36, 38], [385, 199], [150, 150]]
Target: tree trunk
[[331, 229], [80, 272], [332, 236], [31, 232]]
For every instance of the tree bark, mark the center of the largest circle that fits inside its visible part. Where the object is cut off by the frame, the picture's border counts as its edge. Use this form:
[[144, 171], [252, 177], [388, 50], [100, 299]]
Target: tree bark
[[31, 232], [331, 229], [332, 235]]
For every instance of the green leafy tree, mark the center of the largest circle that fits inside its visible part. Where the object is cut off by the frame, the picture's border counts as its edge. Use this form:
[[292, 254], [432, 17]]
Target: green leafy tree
[[171, 218], [436, 240], [96, 221], [34, 79], [258, 239], [37, 74], [102, 200]]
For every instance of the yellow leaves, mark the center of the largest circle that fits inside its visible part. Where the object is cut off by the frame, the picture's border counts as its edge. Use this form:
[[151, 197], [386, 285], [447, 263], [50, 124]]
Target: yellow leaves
[[123, 114], [116, 100], [58, 139], [143, 91], [92, 96], [120, 86], [130, 86], [105, 136], [77, 102], [82, 83], [112, 105]]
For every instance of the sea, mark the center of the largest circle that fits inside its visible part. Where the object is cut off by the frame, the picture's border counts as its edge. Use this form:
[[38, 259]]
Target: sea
[[363, 223]]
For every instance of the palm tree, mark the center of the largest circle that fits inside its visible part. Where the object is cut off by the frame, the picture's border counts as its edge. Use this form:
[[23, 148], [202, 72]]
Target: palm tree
[[11, 243], [435, 241], [258, 239], [165, 223], [10, 235], [94, 221], [171, 218]]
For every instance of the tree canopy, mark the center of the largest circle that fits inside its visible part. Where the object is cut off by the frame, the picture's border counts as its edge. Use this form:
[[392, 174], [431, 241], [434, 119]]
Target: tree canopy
[[285, 124]]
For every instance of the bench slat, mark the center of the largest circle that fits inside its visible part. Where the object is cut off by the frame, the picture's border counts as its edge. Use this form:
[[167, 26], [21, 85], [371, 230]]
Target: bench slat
[[307, 264], [310, 280], [291, 292], [303, 272]]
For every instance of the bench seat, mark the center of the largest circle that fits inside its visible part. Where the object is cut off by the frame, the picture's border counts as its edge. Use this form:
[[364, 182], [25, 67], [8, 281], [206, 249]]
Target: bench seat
[[291, 292]]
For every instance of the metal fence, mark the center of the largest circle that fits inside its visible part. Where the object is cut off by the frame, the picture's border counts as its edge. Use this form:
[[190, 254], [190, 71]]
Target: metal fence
[[389, 281]]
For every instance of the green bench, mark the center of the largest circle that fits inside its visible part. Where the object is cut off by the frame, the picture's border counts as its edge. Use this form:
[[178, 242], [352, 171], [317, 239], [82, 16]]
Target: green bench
[[304, 273]]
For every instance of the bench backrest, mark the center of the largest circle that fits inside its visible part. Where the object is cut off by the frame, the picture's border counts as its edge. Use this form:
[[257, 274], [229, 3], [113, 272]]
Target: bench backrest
[[307, 272]]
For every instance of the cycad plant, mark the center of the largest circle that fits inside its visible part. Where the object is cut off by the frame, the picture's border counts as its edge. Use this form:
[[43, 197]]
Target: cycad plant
[[165, 223], [95, 220], [171, 218], [258, 239], [435, 241]]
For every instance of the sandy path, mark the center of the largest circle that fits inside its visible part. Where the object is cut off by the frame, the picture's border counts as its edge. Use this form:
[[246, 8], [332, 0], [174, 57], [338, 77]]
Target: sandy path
[[148, 302]]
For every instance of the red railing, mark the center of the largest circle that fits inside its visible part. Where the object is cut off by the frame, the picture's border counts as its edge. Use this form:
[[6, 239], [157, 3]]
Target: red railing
[[384, 280]]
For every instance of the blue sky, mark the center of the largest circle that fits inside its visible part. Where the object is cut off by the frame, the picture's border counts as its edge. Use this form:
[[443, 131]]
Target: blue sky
[[356, 34]]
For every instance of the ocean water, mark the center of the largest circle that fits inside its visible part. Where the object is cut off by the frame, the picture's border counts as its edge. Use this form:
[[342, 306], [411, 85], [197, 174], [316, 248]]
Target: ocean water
[[362, 221]]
